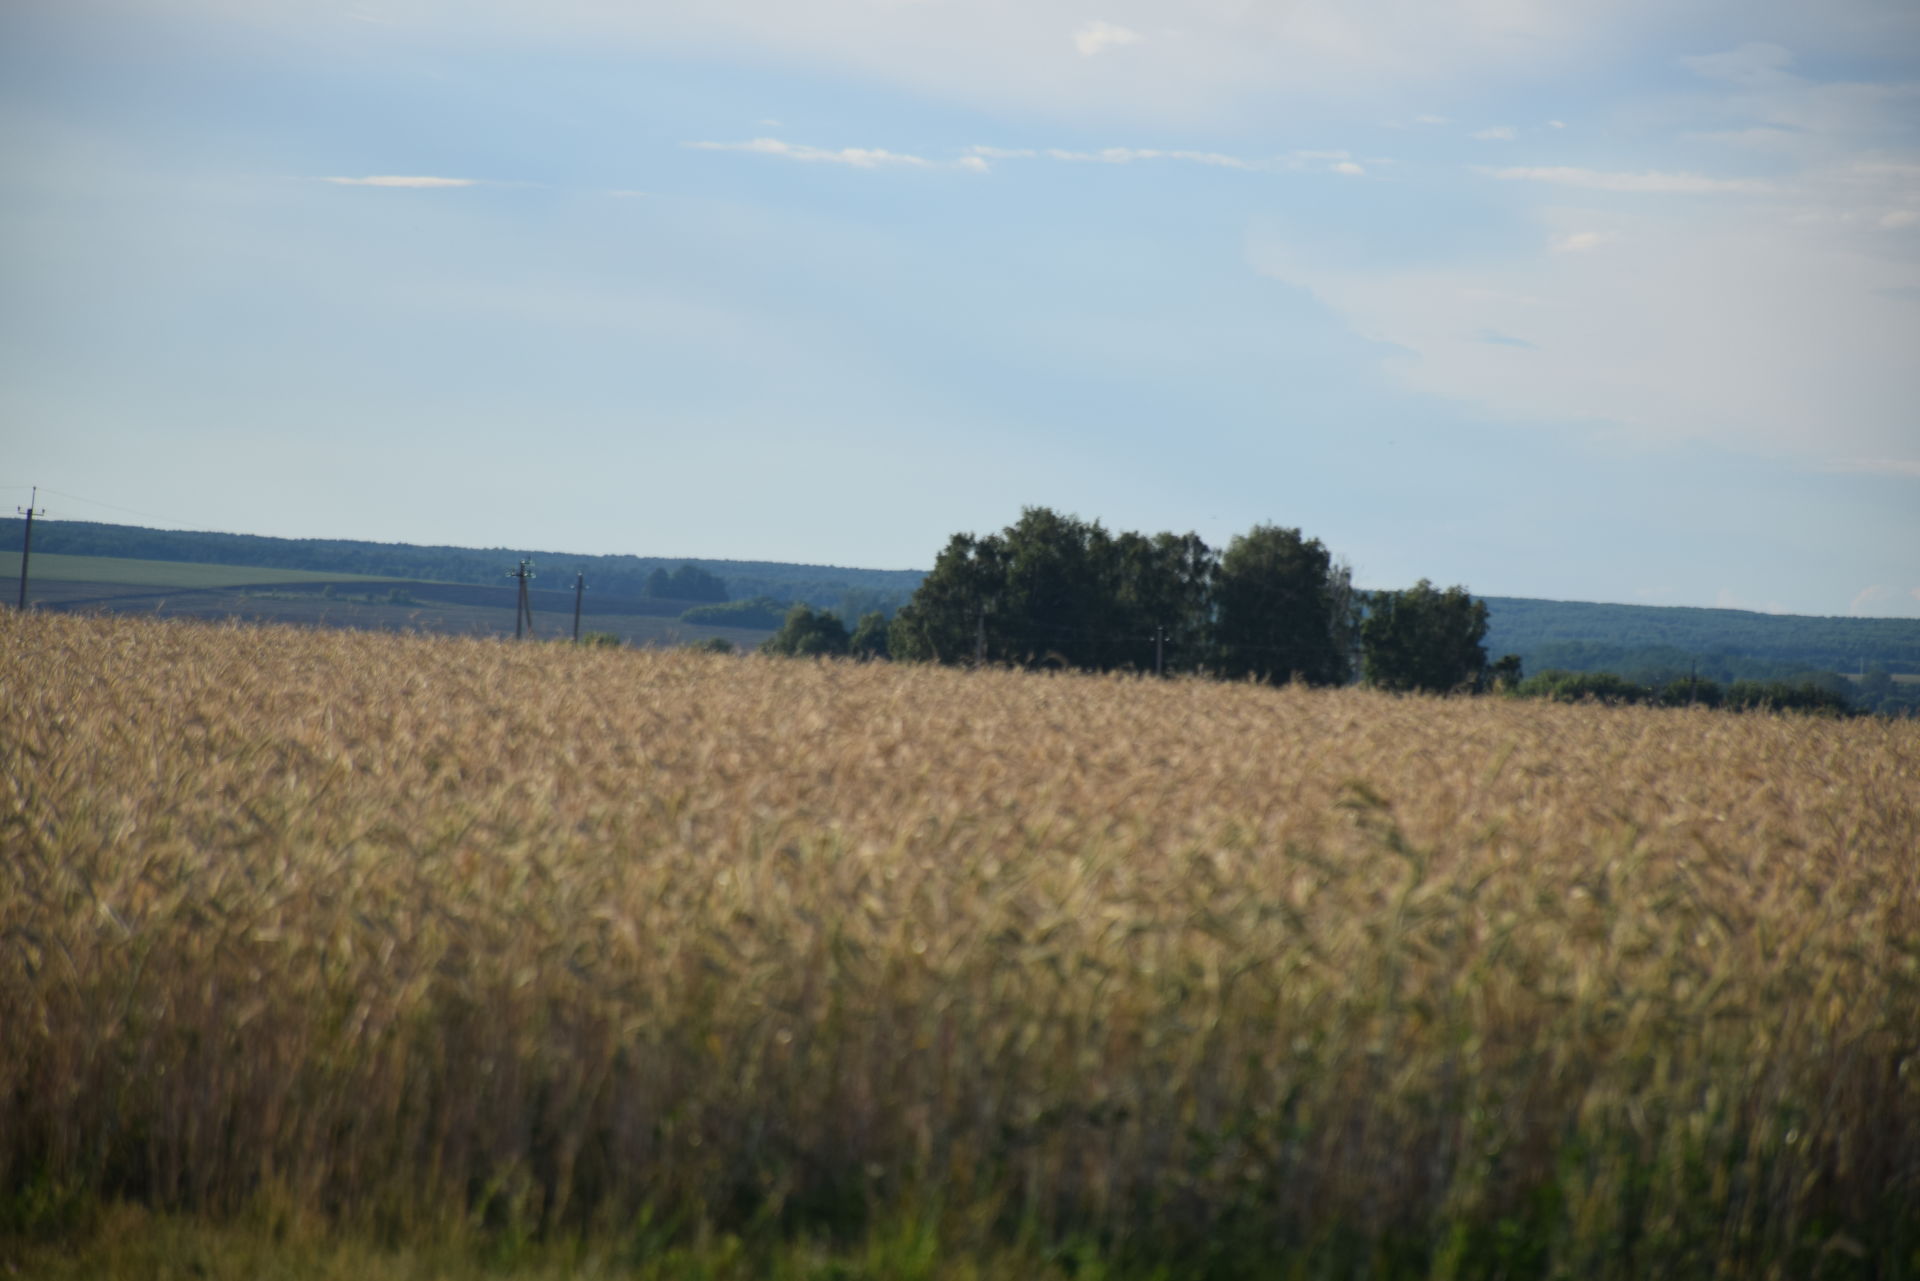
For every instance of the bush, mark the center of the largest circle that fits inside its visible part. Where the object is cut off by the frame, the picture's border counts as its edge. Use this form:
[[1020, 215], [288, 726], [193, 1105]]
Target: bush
[[808, 633], [1577, 687], [1783, 696]]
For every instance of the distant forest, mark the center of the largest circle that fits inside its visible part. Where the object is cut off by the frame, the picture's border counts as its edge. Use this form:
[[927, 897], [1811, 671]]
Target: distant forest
[[1579, 636], [1640, 642], [826, 586]]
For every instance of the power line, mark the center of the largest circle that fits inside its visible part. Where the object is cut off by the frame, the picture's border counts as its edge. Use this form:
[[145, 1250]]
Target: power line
[[94, 502]]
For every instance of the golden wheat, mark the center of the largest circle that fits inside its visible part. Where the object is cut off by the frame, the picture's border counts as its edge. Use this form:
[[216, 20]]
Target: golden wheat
[[410, 927]]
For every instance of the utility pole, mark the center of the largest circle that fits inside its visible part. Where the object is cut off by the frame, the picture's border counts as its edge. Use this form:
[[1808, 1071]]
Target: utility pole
[[523, 611], [579, 587], [26, 543], [1160, 651]]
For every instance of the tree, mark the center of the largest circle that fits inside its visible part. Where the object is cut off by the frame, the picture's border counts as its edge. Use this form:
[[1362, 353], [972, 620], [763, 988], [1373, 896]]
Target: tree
[[954, 617], [1164, 592], [1505, 674], [1060, 600], [808, 633], [1424, 639], [1279, 609], [870, 636]]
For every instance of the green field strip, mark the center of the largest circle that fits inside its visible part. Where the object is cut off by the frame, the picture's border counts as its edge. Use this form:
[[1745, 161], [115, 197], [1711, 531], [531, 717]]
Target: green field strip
[[161, 574]]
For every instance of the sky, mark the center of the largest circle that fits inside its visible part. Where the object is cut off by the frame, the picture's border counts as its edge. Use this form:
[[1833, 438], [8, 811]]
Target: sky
[[1608, 300]]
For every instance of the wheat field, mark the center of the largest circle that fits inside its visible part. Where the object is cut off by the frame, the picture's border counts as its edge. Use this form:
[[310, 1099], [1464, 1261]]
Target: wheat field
[[408, 931]]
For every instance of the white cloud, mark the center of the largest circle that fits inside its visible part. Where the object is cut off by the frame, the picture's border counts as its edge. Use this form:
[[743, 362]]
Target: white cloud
[[1715, 324], [1427, 119], [1751, 65], [980, 157], [1767, 136], [1328, 161], [1650, 181], [1097, 37], [1199, 60], [1128, 155], [1878, 466], [397, 180], [1499, 133], [855, 157], [1578, 242], [1556, 124], [1867, 597], [1898, 219]]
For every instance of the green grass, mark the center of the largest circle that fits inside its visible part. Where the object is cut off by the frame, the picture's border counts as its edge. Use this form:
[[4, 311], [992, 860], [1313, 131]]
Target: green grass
[[164, 574]]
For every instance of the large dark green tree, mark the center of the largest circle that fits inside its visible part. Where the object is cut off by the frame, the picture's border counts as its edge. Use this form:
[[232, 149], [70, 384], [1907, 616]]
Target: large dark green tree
[[1282, 609], [1424, 639], [1163, 601], [955, 615], [1060, 606], [1052, 589]]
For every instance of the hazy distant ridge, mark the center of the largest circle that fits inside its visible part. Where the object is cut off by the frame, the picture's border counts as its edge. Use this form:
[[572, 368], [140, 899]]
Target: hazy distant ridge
[[1578, 635]]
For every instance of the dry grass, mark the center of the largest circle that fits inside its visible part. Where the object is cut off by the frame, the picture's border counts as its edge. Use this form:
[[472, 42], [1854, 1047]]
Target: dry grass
[[399, 930]]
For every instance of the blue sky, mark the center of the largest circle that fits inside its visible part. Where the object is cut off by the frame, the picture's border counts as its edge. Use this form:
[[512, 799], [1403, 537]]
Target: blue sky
[[1602, 301]]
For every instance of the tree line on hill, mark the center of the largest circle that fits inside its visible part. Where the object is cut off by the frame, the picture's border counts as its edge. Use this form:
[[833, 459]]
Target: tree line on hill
[[609, 575], [1052, 590]]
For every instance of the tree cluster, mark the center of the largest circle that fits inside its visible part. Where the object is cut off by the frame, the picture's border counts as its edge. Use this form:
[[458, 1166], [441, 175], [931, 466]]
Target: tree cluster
[[689, 582], [1274, 605], [819, 633]]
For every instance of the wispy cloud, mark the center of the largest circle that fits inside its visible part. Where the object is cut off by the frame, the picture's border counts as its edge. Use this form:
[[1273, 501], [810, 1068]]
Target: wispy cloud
[[1750, 66], [980, 157], [1878, 466], [1499, 339], [1498, 133], [1868, 597], [1651, 181], [1326, 161], [1130, 155], [419, 182], [1097, 37], [1578, 242], [854, 157]]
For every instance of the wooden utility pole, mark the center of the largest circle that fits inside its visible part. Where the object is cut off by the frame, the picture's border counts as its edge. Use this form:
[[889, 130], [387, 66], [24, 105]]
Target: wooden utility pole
[[579, 587], [26, 542], [1159, 651], [523, 610]]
